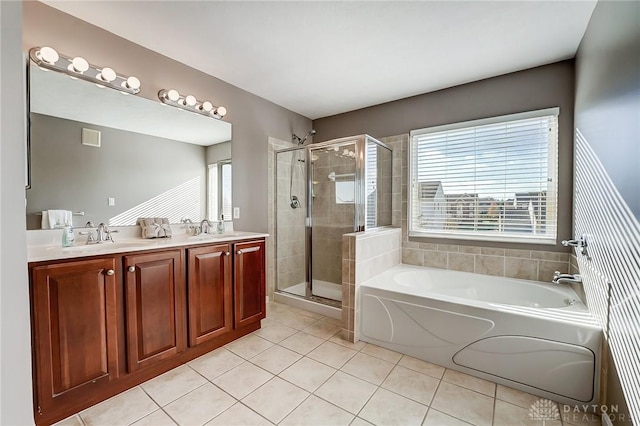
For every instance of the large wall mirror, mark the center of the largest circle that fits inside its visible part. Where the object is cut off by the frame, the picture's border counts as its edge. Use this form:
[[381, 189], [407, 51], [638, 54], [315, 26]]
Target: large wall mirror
[[112, 157]]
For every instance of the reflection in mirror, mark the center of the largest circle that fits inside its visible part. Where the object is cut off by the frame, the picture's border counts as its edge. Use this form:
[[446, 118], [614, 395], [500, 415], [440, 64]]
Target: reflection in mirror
[[136, 158], [220, 191]]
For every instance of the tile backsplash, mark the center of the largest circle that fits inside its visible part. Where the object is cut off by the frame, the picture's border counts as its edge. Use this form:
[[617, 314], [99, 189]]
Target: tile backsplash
[[524, 264]]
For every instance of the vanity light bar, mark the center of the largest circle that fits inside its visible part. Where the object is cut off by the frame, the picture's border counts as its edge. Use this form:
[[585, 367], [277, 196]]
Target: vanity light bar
[[190, 103], [78, 67]]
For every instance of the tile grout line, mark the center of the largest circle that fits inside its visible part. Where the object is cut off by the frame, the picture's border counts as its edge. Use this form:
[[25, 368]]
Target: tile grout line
[[227, 393], [159, 406]]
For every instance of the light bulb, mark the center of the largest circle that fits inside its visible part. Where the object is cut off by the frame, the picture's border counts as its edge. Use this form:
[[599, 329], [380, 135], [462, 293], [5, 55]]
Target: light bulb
[[206, 106], [173, 95], [131, 83], [190, 100], [221, 111], [48, 55], [107, 74], [78, 65]]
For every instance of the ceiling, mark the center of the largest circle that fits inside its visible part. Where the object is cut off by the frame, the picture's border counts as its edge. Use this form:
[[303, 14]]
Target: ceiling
[[327, 57]]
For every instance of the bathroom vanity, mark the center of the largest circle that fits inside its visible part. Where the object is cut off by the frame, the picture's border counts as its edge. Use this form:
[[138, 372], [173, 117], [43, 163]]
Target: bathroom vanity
[[108, 318]]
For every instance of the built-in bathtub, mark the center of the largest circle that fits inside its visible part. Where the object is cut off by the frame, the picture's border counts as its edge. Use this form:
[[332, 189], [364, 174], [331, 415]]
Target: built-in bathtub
[[532, 336]]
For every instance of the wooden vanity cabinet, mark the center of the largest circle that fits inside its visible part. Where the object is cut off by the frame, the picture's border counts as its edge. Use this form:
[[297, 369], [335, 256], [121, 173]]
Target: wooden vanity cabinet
[[249, 282], [75, 326], [154, 307], [210, 292], [104, 324]]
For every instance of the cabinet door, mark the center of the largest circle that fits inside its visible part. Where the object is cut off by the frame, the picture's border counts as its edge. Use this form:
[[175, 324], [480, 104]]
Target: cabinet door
[[210, 293], [75, 328], [249, 282], [154, 306]]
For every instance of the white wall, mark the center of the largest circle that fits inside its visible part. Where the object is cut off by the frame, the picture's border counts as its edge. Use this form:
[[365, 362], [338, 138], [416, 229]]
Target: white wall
[[15, 346]]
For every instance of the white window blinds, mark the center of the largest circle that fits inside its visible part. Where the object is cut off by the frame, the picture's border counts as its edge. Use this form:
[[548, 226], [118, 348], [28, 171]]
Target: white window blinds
[[492, 179], [226, 192]]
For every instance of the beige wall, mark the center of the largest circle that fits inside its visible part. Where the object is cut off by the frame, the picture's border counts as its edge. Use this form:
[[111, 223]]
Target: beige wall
[[15, 335], [536, 88], [254, 119], [607, 198]]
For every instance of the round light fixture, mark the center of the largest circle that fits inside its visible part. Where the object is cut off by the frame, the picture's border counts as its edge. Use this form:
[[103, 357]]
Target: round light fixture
[[107, 74], [131, 83], [206, 106], [221, 111], [173, 95], [78, 65], [48, 55], [190, 100]]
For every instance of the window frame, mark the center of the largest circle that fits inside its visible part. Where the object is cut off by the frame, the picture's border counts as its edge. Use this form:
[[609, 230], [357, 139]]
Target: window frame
[[218, 166], [552, 170]]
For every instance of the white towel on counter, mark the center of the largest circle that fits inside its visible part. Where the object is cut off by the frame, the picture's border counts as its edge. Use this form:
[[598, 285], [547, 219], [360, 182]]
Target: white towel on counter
[[56, 218]]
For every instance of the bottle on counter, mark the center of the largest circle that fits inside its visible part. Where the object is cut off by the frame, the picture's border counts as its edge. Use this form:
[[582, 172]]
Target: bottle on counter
[[220, 226], [68, 237]]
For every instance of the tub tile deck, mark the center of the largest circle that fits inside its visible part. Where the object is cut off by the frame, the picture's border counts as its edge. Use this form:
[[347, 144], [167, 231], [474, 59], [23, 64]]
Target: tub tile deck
[[231, 387]]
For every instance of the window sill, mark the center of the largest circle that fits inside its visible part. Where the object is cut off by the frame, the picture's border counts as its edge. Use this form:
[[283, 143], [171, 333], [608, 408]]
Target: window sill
[[462, 238]]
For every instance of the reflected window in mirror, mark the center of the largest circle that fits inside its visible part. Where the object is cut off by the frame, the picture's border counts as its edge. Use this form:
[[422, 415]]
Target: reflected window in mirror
[[220, 191]]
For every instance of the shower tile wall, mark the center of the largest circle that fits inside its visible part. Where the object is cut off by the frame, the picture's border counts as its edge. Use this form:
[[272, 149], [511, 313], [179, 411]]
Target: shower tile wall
[[537, 265], [330, 220]]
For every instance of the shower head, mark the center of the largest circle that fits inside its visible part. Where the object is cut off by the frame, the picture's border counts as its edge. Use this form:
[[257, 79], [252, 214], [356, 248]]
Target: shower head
[[300, 140]]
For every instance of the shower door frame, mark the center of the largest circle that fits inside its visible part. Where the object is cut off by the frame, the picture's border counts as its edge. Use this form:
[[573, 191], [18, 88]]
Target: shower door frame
[[360, 199], [307, 237]]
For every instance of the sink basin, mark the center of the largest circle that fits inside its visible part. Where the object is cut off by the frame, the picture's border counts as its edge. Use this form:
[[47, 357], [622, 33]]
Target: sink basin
[[84, 248]]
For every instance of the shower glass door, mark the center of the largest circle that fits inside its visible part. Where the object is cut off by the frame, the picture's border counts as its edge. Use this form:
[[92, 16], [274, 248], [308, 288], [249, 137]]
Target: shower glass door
[[291, 215], [332, 213]]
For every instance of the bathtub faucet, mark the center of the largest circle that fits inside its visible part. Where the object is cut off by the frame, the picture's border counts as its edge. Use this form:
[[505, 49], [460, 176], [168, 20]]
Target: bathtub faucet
[[559, 278]]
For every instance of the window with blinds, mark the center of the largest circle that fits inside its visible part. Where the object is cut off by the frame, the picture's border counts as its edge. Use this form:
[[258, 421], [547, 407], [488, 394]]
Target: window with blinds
[[492, 179], [219, 202]]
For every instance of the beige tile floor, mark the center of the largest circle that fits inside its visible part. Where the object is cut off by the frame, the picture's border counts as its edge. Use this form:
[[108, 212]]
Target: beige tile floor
[[296, 370]]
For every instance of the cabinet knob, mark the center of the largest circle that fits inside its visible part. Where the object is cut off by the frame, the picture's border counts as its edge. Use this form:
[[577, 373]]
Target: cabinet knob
[[227, 253], [132, 268], [239, 252], [110, 272]]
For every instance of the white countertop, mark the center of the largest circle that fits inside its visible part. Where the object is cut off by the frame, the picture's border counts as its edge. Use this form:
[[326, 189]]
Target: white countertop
[[44, 252]]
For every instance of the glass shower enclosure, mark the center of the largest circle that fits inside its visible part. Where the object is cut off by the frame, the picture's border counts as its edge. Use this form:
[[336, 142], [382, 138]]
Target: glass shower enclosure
[[324, 191]]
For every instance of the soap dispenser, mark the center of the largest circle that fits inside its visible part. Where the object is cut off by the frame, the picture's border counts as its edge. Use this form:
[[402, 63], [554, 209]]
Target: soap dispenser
[[68, 237], [220, 226]]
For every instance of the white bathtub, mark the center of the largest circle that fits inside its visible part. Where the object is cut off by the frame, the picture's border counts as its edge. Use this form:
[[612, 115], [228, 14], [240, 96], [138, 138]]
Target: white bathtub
[[536, 337]]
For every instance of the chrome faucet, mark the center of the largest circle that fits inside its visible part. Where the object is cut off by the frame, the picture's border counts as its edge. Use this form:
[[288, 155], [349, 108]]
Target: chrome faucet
[[103, 234], [189, 226], [205, 226], [580, 244], [559, 278]]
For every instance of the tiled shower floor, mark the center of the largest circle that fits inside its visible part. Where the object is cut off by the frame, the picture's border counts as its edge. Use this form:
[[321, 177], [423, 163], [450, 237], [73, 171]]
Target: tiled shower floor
[[296, 370]]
